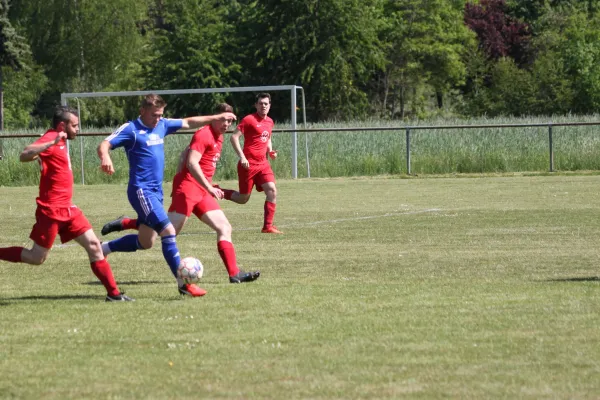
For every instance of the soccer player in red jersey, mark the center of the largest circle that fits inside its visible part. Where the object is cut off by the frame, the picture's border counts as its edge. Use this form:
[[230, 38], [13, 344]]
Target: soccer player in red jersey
[[254, 168], [56, 214], [193, 192]]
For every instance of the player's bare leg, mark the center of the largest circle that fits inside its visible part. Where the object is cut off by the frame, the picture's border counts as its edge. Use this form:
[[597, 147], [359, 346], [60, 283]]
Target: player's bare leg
[[100, 266], [270, 205], [36, 255], [217, 220], [147, 236], [178, 221]]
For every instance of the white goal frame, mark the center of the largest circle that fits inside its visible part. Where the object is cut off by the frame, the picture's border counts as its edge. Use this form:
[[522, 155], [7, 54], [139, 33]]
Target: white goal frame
[[64, 99]]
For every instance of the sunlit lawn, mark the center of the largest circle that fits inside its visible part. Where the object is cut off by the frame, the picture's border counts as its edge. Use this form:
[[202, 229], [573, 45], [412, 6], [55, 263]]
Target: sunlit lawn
[[480, 287]]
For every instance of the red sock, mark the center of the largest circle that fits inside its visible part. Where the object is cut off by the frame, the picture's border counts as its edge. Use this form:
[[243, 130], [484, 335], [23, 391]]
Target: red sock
[[11, 254], [228, 193], [102, 270], [129, 223], [227, 253], [269, 214]]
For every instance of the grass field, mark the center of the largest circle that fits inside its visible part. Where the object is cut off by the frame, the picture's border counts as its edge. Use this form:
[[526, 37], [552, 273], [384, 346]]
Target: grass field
[[428, 288]]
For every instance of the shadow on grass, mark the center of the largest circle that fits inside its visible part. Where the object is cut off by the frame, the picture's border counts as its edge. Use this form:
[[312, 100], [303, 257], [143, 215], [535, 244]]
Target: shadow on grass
[[579, 279], [4, 301], [129, 283]]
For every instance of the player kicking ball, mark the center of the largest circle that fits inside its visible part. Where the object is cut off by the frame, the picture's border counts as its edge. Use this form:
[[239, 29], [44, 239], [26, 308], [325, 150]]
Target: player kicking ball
[[193, 193], [143, 140]]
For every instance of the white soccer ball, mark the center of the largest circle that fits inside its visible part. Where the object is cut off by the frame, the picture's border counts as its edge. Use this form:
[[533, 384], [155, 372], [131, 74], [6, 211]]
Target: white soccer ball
[[190, 270]]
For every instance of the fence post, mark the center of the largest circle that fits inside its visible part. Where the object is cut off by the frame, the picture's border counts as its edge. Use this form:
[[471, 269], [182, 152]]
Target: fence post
[[408, 151], [81, 153], [550, 148]]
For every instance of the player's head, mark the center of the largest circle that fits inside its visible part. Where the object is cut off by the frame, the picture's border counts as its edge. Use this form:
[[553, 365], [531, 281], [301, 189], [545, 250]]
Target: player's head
[[152, 108], [65, 119], [222, 125], [263, 104]]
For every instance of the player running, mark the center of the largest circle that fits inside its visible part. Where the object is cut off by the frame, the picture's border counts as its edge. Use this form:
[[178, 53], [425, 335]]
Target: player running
[[254, 168], [193, 192], [143, 141], [56, 214]]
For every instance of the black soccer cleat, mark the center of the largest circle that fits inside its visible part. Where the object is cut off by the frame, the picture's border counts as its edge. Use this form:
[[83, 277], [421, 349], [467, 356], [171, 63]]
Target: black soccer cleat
[[118, 297], [243, 276], [113, 226]]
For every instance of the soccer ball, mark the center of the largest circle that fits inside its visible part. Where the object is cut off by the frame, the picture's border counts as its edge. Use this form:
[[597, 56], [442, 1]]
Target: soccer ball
[[190, 270]]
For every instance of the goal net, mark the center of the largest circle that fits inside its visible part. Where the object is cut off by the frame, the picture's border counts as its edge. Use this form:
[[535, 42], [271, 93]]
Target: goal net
[[172, 94]]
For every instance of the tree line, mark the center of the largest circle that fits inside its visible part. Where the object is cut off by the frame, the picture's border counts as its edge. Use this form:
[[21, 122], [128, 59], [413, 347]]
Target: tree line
[[355, 59]]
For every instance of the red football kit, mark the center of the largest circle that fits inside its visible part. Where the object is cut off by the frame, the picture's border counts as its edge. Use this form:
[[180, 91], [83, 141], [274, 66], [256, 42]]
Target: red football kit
[[55, 213], [257, 131], [190, 197], [188, 194]]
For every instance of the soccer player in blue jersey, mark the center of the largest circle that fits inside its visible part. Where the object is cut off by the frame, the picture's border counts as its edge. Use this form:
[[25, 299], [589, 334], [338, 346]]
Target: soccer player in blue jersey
[[143, 141]]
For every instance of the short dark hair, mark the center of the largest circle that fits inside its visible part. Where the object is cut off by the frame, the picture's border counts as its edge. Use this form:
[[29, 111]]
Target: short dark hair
[[262, 96], [62, 114], [223, 107], [153, 100]]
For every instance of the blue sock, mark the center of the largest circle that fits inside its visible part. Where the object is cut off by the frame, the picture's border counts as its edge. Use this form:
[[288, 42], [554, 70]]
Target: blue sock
[[125, 244], [171, 252]]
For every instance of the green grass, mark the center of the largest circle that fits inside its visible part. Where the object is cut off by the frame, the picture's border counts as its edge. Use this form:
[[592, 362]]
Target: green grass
[[423, 288], [362, 153]]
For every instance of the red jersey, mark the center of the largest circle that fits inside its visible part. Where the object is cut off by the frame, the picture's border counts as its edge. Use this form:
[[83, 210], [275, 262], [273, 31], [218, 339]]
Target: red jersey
[[208, 143], [56, 180], [257, 132]]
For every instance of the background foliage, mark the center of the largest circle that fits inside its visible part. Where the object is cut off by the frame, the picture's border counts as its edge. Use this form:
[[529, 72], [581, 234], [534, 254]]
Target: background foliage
[[396, 59]]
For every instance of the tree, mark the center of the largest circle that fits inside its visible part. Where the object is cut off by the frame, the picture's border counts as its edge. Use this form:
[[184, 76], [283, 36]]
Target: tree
[[190, 49], [330, 47], [563, 78], [425, 43], [83, 45], [576, 43], [22, 89], [13, 51], [500, 35], [533, 10]]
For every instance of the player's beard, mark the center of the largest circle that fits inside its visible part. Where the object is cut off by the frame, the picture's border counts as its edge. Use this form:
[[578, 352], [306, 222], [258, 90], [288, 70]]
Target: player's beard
[[71, 135]]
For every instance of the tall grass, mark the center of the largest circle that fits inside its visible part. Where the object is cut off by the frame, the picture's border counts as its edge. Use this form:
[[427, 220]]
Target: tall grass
[[357, 153]]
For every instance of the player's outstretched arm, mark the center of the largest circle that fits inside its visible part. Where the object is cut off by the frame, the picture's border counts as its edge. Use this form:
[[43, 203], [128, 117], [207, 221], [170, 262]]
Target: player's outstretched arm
[[105, 161], [32, 151], [201, 120]]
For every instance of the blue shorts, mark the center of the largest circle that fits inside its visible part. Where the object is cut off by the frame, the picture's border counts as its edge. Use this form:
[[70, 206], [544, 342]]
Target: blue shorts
[[148, 204]]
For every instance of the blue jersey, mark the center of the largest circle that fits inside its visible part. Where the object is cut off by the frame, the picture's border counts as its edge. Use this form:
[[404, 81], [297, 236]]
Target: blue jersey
[[145, 150]]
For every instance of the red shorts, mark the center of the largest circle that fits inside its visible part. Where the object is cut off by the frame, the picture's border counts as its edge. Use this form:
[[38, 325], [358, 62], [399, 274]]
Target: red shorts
[[198, 202], [255, 175], [68, 222]]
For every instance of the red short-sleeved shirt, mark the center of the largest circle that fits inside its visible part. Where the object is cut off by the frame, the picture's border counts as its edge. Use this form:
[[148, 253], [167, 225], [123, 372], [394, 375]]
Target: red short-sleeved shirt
[[208, 143], [257, 132], [56, 180]]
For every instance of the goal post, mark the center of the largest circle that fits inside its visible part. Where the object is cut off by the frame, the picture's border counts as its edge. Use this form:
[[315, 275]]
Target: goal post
[[64, 99]]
